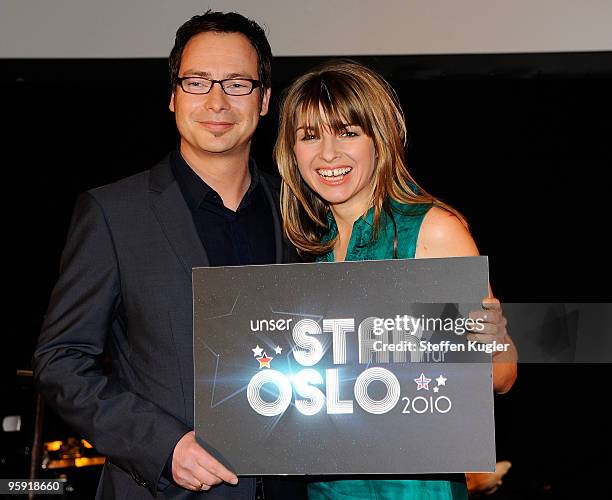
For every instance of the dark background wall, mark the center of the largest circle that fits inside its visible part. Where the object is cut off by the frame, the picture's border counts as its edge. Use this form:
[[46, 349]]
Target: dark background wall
[[520, 143]]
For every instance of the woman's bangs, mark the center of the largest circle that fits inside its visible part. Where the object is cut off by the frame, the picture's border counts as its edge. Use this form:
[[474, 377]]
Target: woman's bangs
[[323, 106]]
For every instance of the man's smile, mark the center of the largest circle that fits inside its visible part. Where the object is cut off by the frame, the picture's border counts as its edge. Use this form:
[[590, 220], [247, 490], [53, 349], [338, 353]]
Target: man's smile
[[216, 126]]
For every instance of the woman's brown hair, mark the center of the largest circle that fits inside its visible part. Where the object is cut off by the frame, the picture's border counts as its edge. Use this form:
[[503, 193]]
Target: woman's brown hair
[[336, 94]]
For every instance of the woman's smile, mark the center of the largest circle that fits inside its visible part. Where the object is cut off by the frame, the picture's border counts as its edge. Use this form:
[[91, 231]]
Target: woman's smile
[[333, 175]]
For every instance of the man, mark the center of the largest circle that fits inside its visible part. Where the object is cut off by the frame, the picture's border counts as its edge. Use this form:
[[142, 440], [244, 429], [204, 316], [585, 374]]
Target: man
[[125, 280]]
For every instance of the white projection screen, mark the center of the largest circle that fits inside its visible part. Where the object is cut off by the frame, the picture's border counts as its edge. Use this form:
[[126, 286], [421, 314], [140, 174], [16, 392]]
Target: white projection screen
[[145, 28]]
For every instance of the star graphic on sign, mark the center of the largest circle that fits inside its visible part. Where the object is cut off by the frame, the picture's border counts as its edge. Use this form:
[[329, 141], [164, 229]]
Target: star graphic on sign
[[436, 389], [257, 351], [278, 349], [422, 382], [441, 380], [264, 361]]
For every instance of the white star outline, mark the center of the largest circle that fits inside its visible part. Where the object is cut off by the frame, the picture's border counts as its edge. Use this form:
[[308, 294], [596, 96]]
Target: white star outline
[[214, 402], [422, 382]]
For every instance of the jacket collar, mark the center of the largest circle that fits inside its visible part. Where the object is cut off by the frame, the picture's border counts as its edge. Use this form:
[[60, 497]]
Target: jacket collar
[[174, 217]]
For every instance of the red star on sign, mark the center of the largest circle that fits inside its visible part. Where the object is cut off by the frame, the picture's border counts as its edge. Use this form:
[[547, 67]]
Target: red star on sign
[[264, 361]]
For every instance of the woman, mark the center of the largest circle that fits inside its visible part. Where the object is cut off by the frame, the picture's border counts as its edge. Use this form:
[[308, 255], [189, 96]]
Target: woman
[[347, 195]]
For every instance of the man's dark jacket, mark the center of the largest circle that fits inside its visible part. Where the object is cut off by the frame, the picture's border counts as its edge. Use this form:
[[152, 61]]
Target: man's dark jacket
[[125, 289]]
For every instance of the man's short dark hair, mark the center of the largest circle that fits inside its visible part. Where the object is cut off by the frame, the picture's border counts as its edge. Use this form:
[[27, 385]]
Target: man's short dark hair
[[222, 22]]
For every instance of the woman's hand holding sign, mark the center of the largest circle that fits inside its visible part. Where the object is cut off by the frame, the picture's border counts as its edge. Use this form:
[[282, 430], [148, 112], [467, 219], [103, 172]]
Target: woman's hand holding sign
[[492, 327]]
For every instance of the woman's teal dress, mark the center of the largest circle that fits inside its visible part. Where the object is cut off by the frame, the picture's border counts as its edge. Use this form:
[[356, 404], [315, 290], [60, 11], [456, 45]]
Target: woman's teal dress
[[408, 219]]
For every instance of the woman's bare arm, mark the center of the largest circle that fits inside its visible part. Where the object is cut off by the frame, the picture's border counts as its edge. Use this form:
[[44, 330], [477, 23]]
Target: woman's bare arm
[[443, 235]]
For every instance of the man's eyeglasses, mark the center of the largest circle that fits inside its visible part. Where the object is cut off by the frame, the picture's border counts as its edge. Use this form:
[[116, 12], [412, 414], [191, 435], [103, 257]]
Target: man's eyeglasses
[[231, 86]]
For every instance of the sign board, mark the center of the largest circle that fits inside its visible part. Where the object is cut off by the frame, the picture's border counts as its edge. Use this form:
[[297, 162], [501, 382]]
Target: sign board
[[343, 368]]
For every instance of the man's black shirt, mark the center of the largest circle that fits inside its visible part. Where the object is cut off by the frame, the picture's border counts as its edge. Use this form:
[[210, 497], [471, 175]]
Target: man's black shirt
[[230, 238]]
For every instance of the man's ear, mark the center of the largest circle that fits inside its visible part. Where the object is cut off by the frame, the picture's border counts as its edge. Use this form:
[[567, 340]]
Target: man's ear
[[171, 105], [265, 101]]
